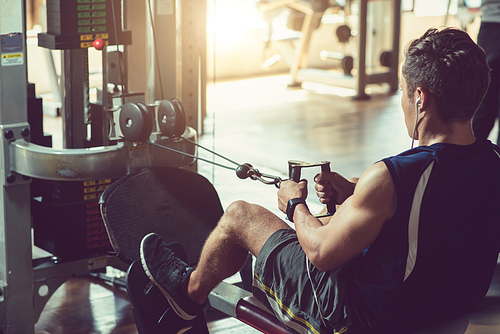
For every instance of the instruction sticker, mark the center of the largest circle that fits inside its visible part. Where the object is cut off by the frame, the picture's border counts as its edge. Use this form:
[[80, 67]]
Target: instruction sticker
[[11, 43], [12, 59], [11, 46]]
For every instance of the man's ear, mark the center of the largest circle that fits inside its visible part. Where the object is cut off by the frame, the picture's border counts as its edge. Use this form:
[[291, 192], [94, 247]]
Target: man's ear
[[421, 98]]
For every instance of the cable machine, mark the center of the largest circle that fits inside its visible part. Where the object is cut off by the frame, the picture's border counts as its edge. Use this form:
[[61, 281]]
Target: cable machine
[[93, 151]]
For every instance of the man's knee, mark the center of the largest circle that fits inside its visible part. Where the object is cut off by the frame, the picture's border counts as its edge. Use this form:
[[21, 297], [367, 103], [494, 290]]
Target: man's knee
[[239, 211], [250, 224], [241, 214], [234, 221]]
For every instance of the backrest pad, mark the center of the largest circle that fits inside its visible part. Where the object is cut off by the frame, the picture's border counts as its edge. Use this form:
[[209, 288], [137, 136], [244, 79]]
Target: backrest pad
[[179, 205]]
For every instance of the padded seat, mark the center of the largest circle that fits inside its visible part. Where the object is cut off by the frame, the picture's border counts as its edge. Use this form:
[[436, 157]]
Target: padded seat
[[252, 312]]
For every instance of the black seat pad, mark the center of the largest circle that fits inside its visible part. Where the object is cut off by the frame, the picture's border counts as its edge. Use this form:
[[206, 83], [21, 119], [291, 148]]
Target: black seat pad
[[178, 204]]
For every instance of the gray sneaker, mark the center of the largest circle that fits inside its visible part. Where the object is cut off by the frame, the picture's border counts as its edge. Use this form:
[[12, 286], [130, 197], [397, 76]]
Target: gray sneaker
[[169, 274]]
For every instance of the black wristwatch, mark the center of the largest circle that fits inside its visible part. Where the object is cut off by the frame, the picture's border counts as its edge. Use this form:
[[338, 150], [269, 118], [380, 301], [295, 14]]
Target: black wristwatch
[[290, 208]]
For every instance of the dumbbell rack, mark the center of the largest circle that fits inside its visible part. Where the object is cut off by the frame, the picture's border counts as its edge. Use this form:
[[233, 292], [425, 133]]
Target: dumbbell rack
[[300, 72]]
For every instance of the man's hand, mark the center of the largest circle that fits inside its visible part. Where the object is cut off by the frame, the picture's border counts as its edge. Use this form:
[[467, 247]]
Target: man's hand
[[290, 189], [331, 186]]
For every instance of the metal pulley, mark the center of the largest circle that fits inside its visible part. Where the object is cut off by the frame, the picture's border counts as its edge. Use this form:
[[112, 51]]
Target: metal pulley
[[343, 33], [171, 118], [136, 122], [385, 58]]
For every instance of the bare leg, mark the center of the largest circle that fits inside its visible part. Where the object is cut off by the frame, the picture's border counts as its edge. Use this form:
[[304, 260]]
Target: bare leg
[[243, 228]]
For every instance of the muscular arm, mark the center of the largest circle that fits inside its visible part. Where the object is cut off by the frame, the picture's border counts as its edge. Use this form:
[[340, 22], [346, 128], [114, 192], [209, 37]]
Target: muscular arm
[[355, 225]]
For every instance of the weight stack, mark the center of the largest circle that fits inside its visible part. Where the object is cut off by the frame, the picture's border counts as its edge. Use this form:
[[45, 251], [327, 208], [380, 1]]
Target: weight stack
[[75, 24], [67, 220]]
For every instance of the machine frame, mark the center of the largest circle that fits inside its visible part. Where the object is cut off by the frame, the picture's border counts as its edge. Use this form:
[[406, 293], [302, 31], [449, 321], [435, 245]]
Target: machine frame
[[26, 284]]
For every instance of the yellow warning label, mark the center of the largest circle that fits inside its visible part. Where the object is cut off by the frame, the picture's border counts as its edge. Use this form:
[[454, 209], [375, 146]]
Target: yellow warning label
[[12, 55], [12, 59]]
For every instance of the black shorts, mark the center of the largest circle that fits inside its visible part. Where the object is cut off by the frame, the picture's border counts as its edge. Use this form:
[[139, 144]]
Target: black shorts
[[281, 282]]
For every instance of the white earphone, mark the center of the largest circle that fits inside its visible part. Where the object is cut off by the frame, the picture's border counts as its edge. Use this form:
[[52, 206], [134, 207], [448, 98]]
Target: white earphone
[[417, 110]]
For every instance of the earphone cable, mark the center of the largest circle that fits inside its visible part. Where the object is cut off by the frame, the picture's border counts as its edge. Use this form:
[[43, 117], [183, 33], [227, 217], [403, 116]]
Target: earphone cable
[[416, 122], [314, 292]]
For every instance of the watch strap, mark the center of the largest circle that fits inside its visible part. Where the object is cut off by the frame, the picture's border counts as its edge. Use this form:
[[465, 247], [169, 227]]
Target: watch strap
[[290, 208]]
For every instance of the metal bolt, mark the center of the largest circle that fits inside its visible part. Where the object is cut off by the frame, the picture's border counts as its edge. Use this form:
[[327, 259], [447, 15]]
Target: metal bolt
[[11, 178], [9, 134], [25, 132]]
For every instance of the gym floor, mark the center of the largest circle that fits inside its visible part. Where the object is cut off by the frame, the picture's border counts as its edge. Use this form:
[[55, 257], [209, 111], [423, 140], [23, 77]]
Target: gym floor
[[262, 122]]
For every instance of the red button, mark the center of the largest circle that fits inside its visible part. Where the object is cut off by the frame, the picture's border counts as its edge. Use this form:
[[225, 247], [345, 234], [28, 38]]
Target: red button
[[98, 44]]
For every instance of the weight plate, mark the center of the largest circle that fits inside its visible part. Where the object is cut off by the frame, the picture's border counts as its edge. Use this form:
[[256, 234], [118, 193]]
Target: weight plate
[[347, 65], [135, 122], [385, 58], [180, 124], [171, 118], [166, 118]]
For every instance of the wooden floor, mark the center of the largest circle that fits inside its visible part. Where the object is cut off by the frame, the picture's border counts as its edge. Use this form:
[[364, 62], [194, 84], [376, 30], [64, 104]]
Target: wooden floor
[[262, 122]]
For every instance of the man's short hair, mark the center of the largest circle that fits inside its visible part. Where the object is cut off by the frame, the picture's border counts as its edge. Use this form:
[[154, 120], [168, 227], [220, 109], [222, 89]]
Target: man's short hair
[[452, 67]]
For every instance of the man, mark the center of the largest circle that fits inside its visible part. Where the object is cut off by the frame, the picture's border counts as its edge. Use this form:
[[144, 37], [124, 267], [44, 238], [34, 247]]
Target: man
[[413, 242], [489, 39]]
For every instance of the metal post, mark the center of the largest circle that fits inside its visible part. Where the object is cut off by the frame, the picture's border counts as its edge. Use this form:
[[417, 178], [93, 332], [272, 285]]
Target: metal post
[[163, 81], [76, 99], [137, 65], [16, 274], [202, 28], [396, 33], [193, 23], [105, 117], [360, 60]]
